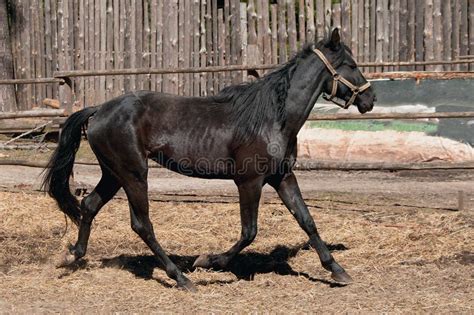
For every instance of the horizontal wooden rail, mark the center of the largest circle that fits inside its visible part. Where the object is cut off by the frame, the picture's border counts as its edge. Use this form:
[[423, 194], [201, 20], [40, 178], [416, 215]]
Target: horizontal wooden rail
[[34, 114], [305, 165], [368, 116], [136, 71], [420, 75], [32, 81]]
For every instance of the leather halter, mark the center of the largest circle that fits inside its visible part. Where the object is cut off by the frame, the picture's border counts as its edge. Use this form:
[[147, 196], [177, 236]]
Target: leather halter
[[356, 90]]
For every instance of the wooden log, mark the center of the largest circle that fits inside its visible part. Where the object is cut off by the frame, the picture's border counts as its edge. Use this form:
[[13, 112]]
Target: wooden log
[[301, 23], [355, 29], [386, 43], [244, 38], [196, 46], [32, 81], [109, 46], [36, 113], [267, 43], [380, 35], [320, 31], [274, 33], [202, 50], [373, 37], [236, 45], [215, 42], [420, 75], [403, 23], [310, 26], [292, 40], [260, 32], [419, 38], [447, 31], [471, 32], [222, 35], [464, 31], [51, 103], [428, 33], [209, 52], [437, 33], [282, 34], [411, 33]]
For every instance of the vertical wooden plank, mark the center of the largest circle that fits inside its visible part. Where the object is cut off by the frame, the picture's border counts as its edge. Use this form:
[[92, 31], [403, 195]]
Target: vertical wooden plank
[[202, 50], [118, 44], [360, 30], [456, 17], [243, 37], [228, 39], [209, 52], [153, 31], [121, 49], [411, 33], [447, 31], [419, 29], [188, 40], [97, 52], [253, 53], [109, 46], [471, 31], [139, 42], [196, 47], [282, 35], [159, 44], [222, 36], [464, 35], [128, 46], [274, 9], [367, 30], [328, 11], [260, 32], [27, 42], [181, 43], [267, 41], [82, 54], [310, 26], [103, 47], [48, 46], [65, 95], [428, 33], [236, 43], [336, 16], [380, 34], [373, 31], [346, 21], [403, 53], [301, 23], [355, 28], [215, 42], [320, 31], [172, 27], [146, 43], [437, 33], [386, 31], [41, 46], [292, 27]]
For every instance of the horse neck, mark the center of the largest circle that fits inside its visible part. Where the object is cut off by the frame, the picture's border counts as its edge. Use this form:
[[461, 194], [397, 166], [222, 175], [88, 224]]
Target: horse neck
[[304, 91]]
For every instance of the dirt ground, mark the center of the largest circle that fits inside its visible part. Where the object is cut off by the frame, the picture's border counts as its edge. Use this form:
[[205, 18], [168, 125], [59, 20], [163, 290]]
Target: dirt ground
[[395, 233]]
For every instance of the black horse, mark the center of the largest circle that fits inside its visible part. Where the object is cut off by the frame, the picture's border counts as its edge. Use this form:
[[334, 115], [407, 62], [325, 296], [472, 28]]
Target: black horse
[[246, 133]]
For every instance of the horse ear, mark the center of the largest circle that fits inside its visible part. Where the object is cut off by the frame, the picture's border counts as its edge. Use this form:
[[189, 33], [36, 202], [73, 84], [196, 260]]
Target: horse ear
[[335, 38]]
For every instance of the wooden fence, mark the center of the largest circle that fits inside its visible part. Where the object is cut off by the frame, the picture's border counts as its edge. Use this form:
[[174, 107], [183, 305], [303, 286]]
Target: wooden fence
[[52, 35]]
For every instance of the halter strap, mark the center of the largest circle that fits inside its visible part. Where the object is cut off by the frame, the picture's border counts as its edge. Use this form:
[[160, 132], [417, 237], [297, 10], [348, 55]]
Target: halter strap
[[338, 78]]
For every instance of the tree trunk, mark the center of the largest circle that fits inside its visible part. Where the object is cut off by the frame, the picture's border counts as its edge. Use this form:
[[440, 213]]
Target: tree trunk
[[7, 92]]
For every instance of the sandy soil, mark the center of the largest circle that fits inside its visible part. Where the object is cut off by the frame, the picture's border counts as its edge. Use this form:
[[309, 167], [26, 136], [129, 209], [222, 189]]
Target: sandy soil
[[391, 231]]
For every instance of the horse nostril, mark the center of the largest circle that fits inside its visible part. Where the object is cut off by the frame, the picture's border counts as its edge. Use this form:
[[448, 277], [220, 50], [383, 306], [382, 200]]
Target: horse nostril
[[375, 98]]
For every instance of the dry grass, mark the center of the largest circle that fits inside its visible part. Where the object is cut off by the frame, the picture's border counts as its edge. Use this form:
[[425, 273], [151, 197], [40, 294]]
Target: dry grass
[[403, 260]]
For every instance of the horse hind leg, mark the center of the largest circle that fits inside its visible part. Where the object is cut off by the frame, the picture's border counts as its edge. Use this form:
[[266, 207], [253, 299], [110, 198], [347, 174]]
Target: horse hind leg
[[90, 206], [137, 194]]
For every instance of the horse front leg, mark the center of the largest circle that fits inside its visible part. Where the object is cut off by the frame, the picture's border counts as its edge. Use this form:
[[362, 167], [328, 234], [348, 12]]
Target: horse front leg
[[249, 198], [290, 194]]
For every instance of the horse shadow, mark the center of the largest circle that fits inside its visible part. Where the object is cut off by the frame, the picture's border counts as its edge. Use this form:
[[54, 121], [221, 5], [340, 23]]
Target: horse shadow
[[244, 266]]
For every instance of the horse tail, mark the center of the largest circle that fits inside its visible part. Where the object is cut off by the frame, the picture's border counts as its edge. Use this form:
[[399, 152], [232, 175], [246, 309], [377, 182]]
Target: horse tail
[[59, 168]]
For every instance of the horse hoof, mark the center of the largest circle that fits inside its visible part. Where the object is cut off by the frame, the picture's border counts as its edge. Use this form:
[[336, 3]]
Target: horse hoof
[[188, 285], [342, 277], [203, 261], [67, 259]]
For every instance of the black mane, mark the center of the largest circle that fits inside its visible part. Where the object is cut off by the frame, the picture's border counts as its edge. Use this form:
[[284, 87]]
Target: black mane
[[263, 100]]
